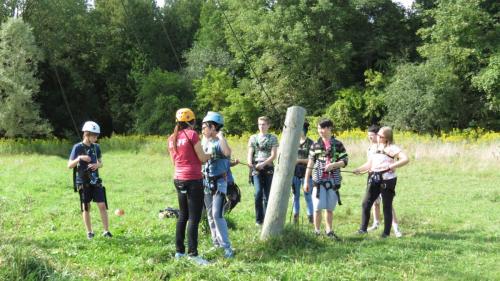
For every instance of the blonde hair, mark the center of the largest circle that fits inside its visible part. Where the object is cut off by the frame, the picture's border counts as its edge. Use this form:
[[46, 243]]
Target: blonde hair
[[265, 119], [387, 133]]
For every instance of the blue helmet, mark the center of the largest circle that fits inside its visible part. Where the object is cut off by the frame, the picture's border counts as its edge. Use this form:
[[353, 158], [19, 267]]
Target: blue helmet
[[214, 117]]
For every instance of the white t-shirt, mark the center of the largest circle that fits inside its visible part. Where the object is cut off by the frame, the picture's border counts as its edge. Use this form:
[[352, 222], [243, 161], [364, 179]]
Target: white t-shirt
[[382, 158]]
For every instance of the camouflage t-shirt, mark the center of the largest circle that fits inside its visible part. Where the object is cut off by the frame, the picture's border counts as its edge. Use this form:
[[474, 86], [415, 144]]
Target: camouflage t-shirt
[[262, 146], [323, 156]]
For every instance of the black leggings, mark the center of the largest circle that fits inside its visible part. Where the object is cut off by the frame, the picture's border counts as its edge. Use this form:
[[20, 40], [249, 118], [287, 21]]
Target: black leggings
[[388, 190], [190, 196]]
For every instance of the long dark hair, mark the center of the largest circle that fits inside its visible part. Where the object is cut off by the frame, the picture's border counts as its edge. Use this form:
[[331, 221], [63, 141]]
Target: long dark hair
[[178, 127]]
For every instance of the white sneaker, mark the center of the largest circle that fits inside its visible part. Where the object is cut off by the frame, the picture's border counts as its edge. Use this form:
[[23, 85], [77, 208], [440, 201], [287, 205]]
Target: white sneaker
[[397, 233], [199, 260], [373, 227], [179, 255], [228, 253]]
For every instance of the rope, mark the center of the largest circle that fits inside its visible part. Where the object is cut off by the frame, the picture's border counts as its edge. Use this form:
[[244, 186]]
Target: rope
[[65, 98]]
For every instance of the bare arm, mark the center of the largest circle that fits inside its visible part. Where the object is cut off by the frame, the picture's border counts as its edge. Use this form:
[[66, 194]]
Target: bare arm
[[200, 153], [226, 150], [250, 156], [402, 160], [363, 168], [309, 168], [74, 163]]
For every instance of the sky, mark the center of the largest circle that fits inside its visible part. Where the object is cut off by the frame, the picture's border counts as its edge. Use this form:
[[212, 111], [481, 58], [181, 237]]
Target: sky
[[406, 3]]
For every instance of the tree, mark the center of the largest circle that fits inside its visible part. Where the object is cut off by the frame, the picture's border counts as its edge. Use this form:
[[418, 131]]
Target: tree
[[215, 92], [161, 94], [424, 98], [19, 56]]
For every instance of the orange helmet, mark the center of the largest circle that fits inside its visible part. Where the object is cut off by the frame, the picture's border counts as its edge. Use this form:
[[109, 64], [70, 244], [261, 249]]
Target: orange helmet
[[184, 115]]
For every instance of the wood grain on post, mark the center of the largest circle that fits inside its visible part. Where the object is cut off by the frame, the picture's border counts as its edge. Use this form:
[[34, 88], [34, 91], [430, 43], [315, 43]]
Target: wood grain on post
[[281, 186]]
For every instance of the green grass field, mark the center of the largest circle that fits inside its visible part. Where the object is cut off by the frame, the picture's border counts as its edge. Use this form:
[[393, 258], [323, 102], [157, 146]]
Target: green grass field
[[448, 204]]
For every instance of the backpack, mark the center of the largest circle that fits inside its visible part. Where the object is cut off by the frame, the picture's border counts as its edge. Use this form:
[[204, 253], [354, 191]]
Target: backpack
[[233, 197]]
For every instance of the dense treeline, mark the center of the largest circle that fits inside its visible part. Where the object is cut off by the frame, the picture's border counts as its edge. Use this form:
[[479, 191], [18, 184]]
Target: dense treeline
[[129, 64]]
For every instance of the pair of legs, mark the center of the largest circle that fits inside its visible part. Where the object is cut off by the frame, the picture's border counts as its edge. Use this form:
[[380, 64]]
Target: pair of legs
[[190, 196], [296, 188], [376, 213], [214, 203], [104, 216], [326, 200], [89, 193], [262, 183], [387, 189]]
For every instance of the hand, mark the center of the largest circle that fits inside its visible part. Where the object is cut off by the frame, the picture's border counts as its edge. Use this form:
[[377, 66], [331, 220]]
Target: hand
[[306, 187], [356, 172], [236, 161], [260, 166], [85, 158], [330, 167], [93, 166]]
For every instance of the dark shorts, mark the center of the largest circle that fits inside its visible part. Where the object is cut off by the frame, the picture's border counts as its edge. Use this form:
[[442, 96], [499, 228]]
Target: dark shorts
[[92, 193]]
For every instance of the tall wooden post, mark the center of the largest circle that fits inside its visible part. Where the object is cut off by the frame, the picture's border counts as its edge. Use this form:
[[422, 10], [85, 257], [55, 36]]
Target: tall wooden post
[[277, 204]]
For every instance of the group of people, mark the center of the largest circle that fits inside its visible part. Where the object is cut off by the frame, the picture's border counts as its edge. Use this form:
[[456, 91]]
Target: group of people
[[202, 175]]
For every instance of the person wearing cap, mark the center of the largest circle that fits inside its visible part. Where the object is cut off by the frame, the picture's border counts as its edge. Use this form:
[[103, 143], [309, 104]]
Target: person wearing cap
[[187, 156], [86, 158], [327, 155], [262, 150], [215, 172]]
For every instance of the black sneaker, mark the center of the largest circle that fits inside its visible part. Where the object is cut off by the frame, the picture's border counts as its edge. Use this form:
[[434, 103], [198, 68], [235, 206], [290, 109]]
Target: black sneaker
[[107, 234], [90, 235], [310, 218], [361, 232], [332, 235], [383, 236]]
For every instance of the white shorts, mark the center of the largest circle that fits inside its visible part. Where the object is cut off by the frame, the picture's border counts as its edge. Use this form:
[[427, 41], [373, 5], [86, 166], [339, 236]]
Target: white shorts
[[327, 199]]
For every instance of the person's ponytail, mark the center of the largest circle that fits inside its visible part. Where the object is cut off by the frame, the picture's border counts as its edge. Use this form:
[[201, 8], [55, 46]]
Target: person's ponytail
[[179, 126]]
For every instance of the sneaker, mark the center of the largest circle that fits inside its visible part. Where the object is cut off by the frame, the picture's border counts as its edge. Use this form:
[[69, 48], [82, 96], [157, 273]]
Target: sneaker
[[361, 232], [373, 227], [317, 232], [199, 260], [228, 253], [310, 218], [179, 255], [214, 248], [90, 235], [332, 235], [107, 234], [258, 224], [397, 233], [383, 236]]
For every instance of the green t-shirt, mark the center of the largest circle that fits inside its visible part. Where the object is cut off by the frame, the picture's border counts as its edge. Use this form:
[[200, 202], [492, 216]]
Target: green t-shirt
[[262, 146]]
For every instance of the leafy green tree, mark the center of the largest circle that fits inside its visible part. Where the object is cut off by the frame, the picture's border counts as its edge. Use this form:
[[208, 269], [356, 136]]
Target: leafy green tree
[[299, 50], [210, 48], [215, 92], [19, 56], [347, 111], [466, 37], [424, 98], [161, 94]]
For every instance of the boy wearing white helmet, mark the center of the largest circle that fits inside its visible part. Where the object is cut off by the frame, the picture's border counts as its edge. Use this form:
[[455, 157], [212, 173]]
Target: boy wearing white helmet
[[215, 173], [86, 157]]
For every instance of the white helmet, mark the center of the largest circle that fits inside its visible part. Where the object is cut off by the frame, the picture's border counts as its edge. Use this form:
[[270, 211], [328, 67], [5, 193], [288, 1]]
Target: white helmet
[[92, 127]]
